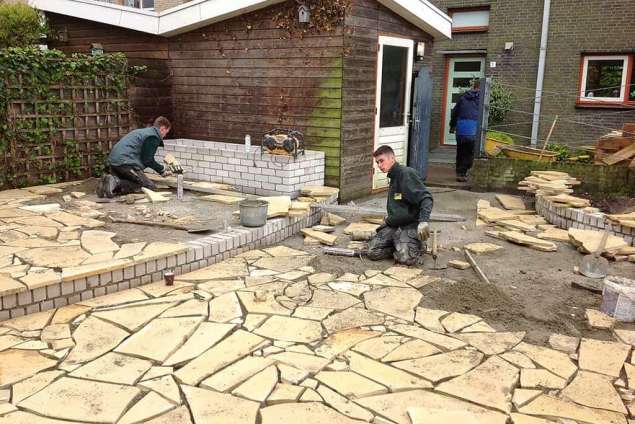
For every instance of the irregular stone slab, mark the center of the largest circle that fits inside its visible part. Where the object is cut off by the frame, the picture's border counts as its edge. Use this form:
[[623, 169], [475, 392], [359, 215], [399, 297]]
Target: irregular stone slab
[[394, 301], [158, 250], [205, 336], [290, 329], [379, 347], [155, 372], [21, 417], [17, 365], [430, 319], [384, 281], [100, 257], [434, 415], [133, 318], [343, 405], [35, 345], [150, 406], [192, 307], [343, 340], [595, 391], [301, 361], [320, 278], [598, 319], [219, 287], [235, 374], [31, 322], [523, 396], [225, 308], [457, 321], [411, 350], [603, 357], [46, 232], [95, 242], [625, 336], [444, 342], [55, 332], [159, 288], [310, 312], [210, 407], [80, 400], [9, 340], [292, 275], [118, 298], [165, 386], [553, 360], [350, 384], [9, 285], [284, 393], [479, 327], [403, 273], [564, 343], [128, 250], [231, 349], [160, 338], [114, 368], [73, 273], [518, 359], [260, 386], [93, 338], [306, 413], [493, 343], [352, 318], [228, 269], [550, 406], [539, 378], [490, 384], [482, 248], [284, 264], [332, 300], [355, 289], [257, 303], [394, 379], [179, 415], [349, 277], [439, 367], [283, 251], [394, 406], [71, 220], [291, 375]]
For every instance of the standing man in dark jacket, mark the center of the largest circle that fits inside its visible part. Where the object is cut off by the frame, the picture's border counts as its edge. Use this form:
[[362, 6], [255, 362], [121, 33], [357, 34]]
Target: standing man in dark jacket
[[130, 157], [406, 230], [464, 123]]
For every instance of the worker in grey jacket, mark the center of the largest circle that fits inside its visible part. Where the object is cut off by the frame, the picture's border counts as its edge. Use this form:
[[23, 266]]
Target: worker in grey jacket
[[130, 157]]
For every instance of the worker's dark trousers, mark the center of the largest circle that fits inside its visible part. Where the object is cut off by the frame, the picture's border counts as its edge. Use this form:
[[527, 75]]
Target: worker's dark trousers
[[464, 154], [131, 179], [401, 243]]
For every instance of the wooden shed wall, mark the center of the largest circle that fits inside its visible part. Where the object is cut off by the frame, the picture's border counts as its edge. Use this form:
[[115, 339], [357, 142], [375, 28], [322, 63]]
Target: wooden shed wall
[[366, 21], [150, 95]]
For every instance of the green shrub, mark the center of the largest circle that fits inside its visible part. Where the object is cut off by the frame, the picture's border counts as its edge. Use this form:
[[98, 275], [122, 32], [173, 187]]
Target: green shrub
[[501, 137], [20, 25], [500, 102]]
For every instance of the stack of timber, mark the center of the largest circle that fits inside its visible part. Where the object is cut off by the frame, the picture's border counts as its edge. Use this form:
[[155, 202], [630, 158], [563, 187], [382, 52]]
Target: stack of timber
[[617, 148]]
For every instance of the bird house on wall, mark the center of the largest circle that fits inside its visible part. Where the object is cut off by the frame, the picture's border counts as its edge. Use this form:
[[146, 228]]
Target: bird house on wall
[[304, 14]]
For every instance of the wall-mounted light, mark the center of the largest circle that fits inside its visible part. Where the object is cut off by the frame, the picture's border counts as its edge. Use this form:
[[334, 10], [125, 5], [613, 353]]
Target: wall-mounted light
[[421, 50], [509, 46], [96, 49], [304, 14]]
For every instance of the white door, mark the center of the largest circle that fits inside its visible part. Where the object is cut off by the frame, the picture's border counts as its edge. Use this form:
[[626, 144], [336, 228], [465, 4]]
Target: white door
[[461, 72], [394, 81]]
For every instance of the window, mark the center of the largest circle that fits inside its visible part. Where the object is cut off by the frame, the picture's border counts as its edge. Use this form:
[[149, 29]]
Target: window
[[471, 19], [607, 79]]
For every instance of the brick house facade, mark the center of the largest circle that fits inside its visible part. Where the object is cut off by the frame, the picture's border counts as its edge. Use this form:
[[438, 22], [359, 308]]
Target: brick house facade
[[577, 28]]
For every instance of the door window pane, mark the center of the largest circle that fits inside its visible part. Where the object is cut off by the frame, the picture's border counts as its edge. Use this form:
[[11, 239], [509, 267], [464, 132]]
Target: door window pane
[[604, 78], [393, 86], [632, 86], [463, 82], [467, 66]]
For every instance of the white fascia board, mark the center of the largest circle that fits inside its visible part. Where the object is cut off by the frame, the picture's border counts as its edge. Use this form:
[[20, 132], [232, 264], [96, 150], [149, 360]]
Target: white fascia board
[[422, 14]]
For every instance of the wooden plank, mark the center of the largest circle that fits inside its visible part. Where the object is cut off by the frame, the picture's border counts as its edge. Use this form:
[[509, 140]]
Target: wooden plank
[[624, 154]]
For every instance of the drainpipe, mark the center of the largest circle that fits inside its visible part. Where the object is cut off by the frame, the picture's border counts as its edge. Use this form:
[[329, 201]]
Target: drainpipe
[[541, 72]]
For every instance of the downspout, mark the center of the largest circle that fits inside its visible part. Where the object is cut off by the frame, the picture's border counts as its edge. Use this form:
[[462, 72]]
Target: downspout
[[541, 72]]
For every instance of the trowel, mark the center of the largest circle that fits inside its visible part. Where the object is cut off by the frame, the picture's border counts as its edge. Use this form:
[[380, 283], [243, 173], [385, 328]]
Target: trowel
[[596, 266], [434, 251]]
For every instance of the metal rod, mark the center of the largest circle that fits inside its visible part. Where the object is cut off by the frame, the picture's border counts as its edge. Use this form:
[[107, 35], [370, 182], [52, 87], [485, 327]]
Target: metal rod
[[359, 210], [476, 268]]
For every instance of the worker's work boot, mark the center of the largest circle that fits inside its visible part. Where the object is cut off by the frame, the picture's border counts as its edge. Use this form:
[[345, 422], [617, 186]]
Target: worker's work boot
[[107, 185]]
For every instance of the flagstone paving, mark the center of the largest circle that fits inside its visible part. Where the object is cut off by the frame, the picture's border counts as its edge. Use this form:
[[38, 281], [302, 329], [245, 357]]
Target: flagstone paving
[[243, 342]]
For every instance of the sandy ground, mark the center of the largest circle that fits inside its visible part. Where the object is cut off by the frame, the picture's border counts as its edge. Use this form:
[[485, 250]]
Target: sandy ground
[[530, 290]]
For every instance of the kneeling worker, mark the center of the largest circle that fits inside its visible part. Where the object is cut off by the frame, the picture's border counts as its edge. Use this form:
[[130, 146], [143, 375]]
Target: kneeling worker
[[406, 230], [130, 156]]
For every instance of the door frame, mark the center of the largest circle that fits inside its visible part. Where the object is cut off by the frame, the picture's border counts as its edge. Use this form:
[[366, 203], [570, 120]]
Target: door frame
[[446, 80], [409, 44]]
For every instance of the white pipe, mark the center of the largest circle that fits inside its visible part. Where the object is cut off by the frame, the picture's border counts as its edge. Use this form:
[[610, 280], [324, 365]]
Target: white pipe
[[541, 72]]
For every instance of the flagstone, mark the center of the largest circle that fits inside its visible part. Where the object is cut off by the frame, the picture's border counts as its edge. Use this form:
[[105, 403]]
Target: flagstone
[[39, 231], [493, 343], [165, 386], [393, 301], [37, 221], [595, 391], [34, 384], [212, 407], [378, 347], [603, 357], [262, 303], [150, 406], [434, 416], [284, 251], [31, 322], [539, 378], [228, 269], [179, 415], [352, 318], [259, 386], [292, 275], [523, 396], [9, 340], [12, 236], [393, 378], [133, 318], [310, 395], [284, 393], [291, 375], [235, 374], [114, 368], [394, 406], [439, 340], [355, 289], [290, 329], [225, 308], [305, 413], [160, 338], [442, 366], [457, 321], [99, 257], [155, 372], [555, 361], [40, 278], [96, 241], [402, 273], [71, 220], [310, 312], [192, 307], [62, 344], [423, 280], [159, 288], [66, 236], [205, 336], [128, 250], [518, 359], [8, 252], [490, 384], [549, 406], [34, 345], [159, 249], [528, 419], [9, 285], [564, 343], [332, 300], [411, 350], [598, 319], [260, 273], [87, 270], [15, 213], [219, 287], [226, 352], [341, 341], [80, 400], [284, 264], [348, 277], [172, 298], [55, 332], [384, 281], [350, 384], [54, 257], [343, 405], [430, 319], [625, 336], [320, 278], [6, 408], [252, 254]]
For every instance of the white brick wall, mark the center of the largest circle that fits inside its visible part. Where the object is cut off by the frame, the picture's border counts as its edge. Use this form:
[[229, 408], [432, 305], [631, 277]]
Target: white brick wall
[[249, 172]]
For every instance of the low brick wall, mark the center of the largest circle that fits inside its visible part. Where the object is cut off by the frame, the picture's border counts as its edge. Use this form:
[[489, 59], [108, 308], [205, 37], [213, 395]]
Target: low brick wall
[[250, 172], [566, 217], [199, 253], [503, 175]]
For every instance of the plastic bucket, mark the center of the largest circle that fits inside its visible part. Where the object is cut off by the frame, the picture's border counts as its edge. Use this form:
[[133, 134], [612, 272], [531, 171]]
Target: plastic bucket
[[618, 298], [253, 213]]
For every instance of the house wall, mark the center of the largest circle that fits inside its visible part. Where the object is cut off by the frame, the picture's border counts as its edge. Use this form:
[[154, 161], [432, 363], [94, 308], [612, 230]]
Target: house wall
[[150, 92], [366, 21]]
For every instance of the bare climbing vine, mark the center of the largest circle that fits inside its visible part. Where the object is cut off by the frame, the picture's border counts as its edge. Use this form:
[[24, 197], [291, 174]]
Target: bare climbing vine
[[326, 16]]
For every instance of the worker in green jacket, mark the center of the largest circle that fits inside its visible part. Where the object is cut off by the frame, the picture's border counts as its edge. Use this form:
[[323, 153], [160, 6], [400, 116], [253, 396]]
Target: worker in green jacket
[[406, 229], [130, 157]]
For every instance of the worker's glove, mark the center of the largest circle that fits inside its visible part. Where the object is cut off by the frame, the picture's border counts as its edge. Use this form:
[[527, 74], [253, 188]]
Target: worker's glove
[[175, 168], [423, 230], [166, 173]]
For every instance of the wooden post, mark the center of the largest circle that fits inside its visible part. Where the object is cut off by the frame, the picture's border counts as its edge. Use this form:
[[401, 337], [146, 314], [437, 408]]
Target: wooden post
[[544, 146], [486, 87]]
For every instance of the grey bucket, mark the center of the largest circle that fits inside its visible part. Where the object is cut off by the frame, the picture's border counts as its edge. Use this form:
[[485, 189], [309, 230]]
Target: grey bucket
[[253, 213]]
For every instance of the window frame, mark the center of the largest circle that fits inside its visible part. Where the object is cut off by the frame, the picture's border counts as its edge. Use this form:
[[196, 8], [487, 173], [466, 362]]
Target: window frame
[[482, 28], [624, 99]]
